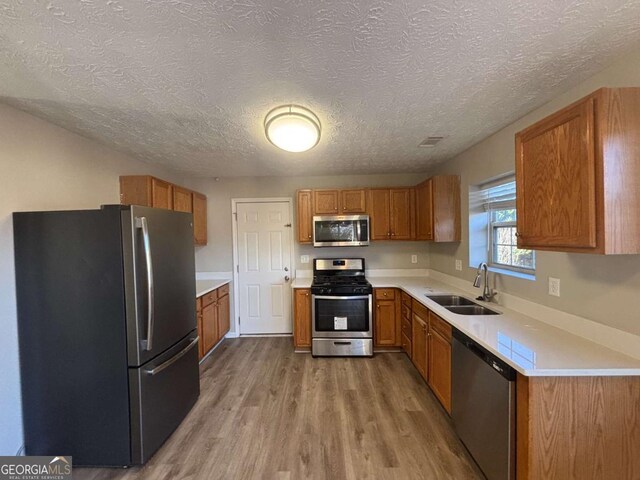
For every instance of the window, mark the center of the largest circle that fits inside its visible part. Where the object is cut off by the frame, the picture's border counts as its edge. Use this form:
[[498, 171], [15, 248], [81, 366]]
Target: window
[[493, 216]]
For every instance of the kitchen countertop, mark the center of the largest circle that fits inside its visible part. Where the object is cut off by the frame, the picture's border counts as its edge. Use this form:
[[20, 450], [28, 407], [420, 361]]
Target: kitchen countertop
[[205, 286], [532, 347]]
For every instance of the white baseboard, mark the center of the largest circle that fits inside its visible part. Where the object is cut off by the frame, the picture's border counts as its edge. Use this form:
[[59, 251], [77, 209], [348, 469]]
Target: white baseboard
[[613, 338]]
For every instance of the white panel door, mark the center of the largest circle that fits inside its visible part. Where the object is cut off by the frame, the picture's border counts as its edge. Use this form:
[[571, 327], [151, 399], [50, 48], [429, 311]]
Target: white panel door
[[264, 256]]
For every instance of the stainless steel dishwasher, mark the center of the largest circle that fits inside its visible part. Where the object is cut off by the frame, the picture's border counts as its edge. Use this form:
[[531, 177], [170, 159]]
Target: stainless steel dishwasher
[[483, 407]]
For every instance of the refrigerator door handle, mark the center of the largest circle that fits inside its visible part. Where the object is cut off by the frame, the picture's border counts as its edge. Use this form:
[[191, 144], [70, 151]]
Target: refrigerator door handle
[[173, 359], [141, 222]]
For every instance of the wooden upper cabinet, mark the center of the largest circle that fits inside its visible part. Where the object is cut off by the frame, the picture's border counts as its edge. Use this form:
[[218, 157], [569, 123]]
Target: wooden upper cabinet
[[379, 207], [353, 201], [438, 209], [153, 192], [161, 194], [326, 202], [578, 176], [199, 218], [304, 216], [401, 213], [302, 318], [182, 200]]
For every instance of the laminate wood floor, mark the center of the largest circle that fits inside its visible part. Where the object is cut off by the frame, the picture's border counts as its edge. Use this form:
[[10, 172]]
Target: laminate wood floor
[[265, 412]]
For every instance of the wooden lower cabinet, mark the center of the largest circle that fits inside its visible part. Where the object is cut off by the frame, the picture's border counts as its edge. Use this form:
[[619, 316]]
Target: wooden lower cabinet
[[214, 318], [440, 362], [419, 339], [387, 328], [302, 318]]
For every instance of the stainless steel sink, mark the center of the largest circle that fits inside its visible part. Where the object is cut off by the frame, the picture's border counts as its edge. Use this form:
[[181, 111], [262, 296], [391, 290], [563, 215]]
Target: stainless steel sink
[[450, 300], [471, 310]]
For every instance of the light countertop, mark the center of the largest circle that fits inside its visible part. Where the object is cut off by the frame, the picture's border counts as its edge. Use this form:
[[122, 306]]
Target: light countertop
[[205, 286], [532, 347]]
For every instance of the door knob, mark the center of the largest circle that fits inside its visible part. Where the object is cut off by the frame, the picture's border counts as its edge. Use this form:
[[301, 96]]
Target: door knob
[[286, 278], [286, 269]]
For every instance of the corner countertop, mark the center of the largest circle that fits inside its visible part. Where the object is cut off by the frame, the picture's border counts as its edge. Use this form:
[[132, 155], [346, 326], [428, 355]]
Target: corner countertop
[[532, 347], [205, 286]]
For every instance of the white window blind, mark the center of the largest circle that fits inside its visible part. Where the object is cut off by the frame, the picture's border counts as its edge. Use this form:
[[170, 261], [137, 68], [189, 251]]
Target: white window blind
[[500, 196]]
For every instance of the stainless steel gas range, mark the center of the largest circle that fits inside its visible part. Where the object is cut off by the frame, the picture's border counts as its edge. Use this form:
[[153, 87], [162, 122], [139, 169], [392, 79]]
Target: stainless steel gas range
[[341, 308]]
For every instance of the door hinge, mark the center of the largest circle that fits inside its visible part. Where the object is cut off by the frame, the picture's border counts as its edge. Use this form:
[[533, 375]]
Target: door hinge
[[235, 216], [287, 225], [238, 268]]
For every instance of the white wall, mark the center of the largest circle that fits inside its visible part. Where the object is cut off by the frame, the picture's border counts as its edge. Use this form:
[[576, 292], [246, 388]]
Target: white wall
[[601, 288], [43, 167]]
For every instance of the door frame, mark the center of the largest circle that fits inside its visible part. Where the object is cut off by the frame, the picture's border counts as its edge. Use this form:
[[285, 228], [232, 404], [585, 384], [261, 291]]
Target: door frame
[[236, 274]]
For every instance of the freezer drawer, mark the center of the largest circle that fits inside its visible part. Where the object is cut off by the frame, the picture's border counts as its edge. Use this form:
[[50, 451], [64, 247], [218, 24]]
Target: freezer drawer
[[162, 393]]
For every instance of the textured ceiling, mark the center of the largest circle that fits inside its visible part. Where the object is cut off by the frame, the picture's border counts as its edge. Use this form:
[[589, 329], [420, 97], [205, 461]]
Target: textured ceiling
[[186, 84]]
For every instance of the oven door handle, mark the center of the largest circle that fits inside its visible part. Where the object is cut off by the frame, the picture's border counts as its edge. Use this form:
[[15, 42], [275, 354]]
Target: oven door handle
[[341, 297]]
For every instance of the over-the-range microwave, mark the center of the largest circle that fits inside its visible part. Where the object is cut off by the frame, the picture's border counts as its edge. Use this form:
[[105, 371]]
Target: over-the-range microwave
[[340, 230]]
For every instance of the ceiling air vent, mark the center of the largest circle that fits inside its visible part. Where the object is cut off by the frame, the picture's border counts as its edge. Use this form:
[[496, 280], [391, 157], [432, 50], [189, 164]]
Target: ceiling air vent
[[430, 142]]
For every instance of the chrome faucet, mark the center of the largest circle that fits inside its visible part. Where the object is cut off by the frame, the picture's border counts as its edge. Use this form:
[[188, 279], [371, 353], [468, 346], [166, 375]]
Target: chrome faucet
[[487, 293]]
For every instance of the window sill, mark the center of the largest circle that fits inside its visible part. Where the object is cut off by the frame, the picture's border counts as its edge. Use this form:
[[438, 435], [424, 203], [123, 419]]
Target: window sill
[[510, 273]]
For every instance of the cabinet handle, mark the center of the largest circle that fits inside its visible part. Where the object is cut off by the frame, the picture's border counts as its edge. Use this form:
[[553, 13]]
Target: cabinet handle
[[309, 236], [517, 234], [393, 234], [306, 294]]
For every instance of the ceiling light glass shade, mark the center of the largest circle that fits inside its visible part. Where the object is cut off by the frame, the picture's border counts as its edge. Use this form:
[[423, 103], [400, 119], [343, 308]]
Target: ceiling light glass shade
[[292, 128]]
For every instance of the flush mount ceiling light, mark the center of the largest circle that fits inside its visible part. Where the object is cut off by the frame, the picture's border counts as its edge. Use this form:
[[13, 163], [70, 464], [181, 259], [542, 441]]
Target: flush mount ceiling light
[[292, 128]]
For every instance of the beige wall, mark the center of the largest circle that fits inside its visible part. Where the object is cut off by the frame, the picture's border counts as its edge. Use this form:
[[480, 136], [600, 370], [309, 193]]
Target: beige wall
[[603, 289], [43, 167], [217, 255]]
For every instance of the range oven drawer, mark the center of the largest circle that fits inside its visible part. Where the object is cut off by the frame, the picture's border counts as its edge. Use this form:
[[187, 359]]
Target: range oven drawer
[[333, 347]]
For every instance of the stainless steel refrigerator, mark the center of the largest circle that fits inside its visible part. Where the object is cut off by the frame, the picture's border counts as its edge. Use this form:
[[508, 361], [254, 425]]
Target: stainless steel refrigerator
[[107, 331]]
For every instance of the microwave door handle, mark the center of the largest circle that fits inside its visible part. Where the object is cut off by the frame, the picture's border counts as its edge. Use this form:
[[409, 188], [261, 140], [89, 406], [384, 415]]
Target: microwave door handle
[[358, 230], [142, 223]]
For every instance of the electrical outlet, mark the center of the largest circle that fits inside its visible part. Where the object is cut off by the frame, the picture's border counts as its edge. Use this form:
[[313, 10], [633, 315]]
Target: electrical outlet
[[414, 258], [459, 265], [304, 258], [554, 286]]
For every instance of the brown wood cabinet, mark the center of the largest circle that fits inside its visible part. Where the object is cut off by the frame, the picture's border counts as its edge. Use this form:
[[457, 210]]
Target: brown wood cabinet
[[438, 209], [326, 202], [440, 359], [392, 213], [353, 201], [578, 176], [153, 192], [387, 326], [214, 319], [302, 318], [419, 339], [304, 216]]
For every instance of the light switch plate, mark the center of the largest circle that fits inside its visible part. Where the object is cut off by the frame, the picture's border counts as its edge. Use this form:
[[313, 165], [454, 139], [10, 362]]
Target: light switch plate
[[459, 265], [304, 258], [554, 286], [414, 258]]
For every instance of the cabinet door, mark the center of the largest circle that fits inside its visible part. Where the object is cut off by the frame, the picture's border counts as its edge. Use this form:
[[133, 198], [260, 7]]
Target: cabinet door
[[199, 218], [224, 322], [209, 327], [353, 201], [424, 211], [304, 207], [440, 368], [385, 323], [161, 194], [302, 318], [325, 202], [200, 334], [401, 213], [182, 201], [419, 344], [379, 207], [406, 345], [555, 179]]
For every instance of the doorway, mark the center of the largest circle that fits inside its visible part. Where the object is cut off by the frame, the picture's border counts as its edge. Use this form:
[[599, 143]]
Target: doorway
[[262, 251]]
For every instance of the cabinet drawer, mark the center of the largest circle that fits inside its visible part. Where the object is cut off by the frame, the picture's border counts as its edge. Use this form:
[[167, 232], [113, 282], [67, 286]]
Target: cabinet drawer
[[420, 310], [439, 325], [209, 298], [385, 293], [406, 312], [406, 344], [406, 327], [406, 300], [223, 290]]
